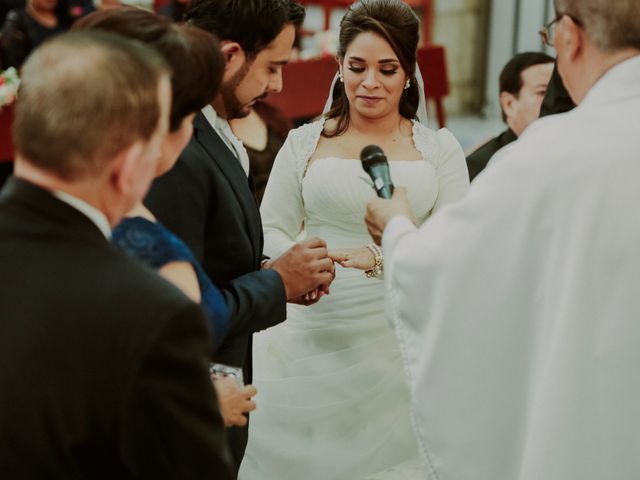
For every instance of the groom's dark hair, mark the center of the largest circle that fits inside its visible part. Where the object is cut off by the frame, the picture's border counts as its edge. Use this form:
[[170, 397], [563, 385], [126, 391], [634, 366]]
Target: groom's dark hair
[[253, 24], [193, 55]]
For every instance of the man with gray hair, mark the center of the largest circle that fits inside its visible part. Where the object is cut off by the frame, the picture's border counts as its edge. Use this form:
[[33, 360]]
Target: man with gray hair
[[103, 365], [523, 356]]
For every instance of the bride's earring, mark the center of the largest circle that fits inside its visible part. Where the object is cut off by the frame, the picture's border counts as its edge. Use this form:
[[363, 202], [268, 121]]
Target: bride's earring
[[408, 84], [341, 77]]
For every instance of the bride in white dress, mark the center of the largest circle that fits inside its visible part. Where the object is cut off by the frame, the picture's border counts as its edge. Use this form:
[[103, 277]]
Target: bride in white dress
[[333, 400]]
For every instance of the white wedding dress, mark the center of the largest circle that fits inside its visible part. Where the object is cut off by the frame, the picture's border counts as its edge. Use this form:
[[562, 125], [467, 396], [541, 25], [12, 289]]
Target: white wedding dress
[[333, 401]]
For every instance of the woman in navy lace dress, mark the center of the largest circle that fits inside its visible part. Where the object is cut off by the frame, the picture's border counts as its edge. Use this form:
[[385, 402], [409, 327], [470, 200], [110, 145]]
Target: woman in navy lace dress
[[144, 238], [197, 65], [197, 72]]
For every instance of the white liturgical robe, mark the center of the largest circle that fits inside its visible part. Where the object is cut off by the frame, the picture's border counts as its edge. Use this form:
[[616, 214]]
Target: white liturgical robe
[[518, 308]]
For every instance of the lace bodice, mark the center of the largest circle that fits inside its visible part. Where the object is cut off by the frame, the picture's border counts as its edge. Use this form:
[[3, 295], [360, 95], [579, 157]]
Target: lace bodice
[[304, 140], [329, 196], [336, 191]]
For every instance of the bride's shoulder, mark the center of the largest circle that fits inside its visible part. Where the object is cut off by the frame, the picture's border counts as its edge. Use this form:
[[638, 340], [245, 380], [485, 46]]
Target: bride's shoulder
[[432, 143], [301, 143], [309, 132]]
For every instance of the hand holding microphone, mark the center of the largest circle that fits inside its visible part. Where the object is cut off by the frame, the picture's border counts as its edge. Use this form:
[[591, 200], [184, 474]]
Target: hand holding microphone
[[374, 162], [392, 202]]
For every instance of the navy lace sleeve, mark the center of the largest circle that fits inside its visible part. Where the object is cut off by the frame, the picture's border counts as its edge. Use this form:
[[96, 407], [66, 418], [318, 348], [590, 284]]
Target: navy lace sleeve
[[156, 246]]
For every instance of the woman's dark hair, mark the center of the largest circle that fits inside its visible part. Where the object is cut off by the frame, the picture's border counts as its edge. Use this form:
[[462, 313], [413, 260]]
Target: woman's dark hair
[[397, 23], [63, 13], [253, 24], [193, 55]]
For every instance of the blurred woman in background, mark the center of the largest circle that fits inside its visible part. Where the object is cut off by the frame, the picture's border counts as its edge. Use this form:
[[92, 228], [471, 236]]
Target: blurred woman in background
[[27, 27]]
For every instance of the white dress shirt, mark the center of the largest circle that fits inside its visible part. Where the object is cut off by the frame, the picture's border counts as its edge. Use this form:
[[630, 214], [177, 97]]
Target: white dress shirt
[[222, 128], [91, 212]]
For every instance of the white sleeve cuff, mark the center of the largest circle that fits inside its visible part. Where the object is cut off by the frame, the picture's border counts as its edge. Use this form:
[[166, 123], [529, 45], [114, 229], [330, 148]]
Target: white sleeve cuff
[[397, 228]]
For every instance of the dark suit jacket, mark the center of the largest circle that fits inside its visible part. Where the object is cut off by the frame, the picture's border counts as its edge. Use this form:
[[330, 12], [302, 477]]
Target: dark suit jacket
[[207, 200], [103, 364], [478, 160], [557, 99]]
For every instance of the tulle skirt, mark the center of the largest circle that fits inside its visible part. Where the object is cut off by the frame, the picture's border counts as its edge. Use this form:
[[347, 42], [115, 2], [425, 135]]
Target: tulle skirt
[[333, 399]]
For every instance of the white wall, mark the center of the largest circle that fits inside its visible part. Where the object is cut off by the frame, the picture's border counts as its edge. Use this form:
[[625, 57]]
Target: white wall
[[461, 26]]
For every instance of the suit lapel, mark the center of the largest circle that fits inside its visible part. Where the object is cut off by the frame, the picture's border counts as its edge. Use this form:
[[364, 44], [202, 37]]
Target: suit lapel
[[235, 174]]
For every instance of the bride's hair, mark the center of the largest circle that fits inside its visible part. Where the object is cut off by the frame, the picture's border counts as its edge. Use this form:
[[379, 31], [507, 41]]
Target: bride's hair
[[397, 23]]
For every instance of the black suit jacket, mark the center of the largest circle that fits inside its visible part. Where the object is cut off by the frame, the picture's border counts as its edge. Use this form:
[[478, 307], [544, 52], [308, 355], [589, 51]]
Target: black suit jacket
[[478, 160], [557, 99], [207, 200], [103, 364]]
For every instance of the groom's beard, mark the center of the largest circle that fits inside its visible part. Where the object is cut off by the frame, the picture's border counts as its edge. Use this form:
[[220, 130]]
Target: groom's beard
[[232, 106]]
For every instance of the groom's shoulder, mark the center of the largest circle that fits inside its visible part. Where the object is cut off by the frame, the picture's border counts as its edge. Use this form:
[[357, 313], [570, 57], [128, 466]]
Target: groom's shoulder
[[195, 157]]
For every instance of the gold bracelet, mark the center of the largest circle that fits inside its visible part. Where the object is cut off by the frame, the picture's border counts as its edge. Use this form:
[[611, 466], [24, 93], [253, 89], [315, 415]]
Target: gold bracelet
[[378, 261]]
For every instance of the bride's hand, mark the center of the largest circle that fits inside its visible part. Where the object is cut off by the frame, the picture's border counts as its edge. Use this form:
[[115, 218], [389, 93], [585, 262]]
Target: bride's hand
[[361, 258]]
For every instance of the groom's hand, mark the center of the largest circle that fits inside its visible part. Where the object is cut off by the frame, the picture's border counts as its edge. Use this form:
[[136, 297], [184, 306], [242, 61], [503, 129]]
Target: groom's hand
[[304, 268], [311, 297], [380, 211]]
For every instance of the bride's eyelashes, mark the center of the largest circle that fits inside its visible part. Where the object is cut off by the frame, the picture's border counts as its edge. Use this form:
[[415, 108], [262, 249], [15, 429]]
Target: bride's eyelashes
[[384, 71]]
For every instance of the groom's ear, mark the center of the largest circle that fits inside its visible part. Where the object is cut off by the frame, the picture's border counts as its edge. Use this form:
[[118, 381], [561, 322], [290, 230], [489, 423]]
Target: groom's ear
[[234, 57]]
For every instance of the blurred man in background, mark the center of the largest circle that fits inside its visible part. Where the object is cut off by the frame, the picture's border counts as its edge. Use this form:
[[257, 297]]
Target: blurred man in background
[[523, 84]]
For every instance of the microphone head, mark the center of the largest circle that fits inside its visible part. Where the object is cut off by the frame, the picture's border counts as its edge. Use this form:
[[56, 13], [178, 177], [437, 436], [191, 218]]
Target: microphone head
[[371, 155]]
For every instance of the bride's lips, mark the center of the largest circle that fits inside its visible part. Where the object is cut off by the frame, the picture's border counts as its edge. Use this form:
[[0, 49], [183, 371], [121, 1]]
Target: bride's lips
[[369, 100]]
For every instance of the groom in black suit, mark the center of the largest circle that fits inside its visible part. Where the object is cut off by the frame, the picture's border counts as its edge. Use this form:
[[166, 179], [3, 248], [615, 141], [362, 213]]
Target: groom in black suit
[[103, 364], [208, 197]]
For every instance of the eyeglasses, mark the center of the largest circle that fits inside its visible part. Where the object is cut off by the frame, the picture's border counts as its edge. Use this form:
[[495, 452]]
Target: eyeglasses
[[548, 32]]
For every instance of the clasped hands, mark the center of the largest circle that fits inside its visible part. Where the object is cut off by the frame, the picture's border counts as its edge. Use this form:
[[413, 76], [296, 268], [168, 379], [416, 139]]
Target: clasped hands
[[307, 269], [379, 212]]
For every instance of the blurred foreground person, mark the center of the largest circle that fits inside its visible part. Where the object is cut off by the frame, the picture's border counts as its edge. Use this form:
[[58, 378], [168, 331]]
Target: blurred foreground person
[[103, 364], [533, 372]]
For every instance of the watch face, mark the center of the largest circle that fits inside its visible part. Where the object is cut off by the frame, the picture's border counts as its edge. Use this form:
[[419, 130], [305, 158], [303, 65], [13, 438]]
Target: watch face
[[222, 370]]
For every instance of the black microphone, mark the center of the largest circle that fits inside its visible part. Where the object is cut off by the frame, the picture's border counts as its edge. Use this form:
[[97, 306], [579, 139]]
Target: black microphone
[[375, 164]]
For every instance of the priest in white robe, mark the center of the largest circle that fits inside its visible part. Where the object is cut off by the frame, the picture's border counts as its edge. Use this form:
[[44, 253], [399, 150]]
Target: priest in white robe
[[518, 308]]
